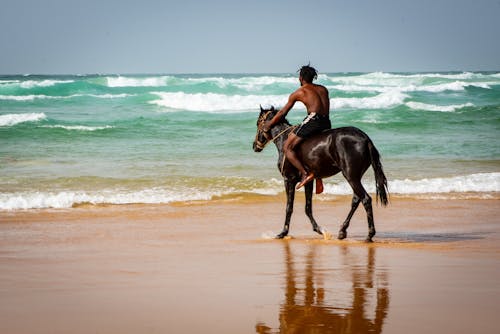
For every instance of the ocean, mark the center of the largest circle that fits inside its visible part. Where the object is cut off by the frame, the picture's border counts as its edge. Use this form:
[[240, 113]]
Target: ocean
[[119, 139]]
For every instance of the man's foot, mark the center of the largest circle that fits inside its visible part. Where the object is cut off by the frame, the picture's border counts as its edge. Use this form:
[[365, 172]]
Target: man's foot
[[319, 186], [305, 179]]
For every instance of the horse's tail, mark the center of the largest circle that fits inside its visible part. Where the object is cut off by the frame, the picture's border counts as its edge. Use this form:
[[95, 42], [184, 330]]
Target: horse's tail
[[380, 179]]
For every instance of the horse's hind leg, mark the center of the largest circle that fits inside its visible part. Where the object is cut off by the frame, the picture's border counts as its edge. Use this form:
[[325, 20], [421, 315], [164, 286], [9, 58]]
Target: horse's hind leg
[[361, 193], [354, 205], [309, 191], [367, 203]]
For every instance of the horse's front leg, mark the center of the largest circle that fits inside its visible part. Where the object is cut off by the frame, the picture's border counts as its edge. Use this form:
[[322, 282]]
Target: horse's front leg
[[290, 196], [308, 188]]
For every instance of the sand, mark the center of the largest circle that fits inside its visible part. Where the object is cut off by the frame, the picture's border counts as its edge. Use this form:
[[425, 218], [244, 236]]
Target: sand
[[208, 267]]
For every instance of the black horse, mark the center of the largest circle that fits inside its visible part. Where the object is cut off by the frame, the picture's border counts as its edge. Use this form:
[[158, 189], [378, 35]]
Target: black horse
[[348, 150]]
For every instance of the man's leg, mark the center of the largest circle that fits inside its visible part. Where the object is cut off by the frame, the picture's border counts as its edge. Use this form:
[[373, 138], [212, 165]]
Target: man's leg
[[290, 144]]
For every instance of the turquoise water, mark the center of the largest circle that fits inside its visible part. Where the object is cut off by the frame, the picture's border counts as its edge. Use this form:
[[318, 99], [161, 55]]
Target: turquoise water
[[163, 138]]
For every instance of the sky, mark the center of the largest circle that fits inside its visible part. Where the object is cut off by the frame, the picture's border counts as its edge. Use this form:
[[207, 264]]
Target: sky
[[249, 36]]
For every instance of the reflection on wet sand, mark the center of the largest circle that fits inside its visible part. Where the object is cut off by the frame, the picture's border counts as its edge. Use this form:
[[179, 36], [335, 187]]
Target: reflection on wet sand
[[352, 298]]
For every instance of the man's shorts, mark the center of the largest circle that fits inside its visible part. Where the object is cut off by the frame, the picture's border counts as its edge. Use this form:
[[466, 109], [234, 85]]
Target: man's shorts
[[313, 124]]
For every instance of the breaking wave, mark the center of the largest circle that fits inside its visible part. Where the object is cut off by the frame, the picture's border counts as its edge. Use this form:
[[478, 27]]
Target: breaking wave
[[212, 102], [13, 119], [481, 183], [384, 100], [123, 81], [78, 127], [215, 102], [432, 107], [33, 97]]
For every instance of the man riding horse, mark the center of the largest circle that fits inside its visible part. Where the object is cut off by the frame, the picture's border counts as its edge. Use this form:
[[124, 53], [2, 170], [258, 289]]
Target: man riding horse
[[315, 98], [330, 151]]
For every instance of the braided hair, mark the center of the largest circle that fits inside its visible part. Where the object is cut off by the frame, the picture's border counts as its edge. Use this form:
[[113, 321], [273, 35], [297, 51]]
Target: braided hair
[[308, 73]]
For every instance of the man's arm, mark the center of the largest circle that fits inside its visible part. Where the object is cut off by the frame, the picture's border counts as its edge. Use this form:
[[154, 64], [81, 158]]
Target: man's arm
[[294, 97]]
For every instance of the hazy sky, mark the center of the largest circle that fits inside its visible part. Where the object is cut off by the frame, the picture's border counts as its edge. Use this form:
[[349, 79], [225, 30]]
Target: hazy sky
[[249, 36]]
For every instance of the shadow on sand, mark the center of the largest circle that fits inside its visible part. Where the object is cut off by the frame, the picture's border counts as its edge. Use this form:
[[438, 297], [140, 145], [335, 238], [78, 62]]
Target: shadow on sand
[[429, 237]]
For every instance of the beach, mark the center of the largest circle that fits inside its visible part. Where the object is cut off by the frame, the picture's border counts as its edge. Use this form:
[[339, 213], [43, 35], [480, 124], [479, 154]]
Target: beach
[[212, 267], [139, 192]]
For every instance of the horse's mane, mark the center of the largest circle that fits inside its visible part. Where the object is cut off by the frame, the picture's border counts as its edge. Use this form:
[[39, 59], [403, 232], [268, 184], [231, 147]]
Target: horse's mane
[[283, 120]]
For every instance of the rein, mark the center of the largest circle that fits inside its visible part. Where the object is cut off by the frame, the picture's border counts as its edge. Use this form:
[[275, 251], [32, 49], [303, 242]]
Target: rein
[[261, 145], [282, 132], [269, 139]]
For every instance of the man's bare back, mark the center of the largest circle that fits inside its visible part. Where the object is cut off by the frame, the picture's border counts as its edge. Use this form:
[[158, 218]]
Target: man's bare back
[[315, 98]]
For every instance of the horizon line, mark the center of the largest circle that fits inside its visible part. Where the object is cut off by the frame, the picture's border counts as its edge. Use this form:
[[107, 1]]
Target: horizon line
[[238, 73]]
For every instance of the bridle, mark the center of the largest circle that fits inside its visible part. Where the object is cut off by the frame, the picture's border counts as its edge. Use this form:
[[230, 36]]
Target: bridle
[[260, 145]]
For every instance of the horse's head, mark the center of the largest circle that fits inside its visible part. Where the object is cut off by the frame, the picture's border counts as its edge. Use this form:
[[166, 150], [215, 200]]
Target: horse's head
[[262, 137]]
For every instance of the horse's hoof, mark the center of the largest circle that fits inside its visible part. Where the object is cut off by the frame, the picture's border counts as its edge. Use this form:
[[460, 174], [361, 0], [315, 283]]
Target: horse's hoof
[[281, 235], [342, 235], [369, 240], [370, 236]]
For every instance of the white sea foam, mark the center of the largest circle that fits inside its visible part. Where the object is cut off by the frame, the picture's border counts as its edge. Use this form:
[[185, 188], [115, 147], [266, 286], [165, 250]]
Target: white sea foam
[[248, 82], [78, 127], [13, 119], [387, 99], [137, 82], [25, 97], [67, 199], [421, 82], [432, 107], [42, 83], [268, 235], [357, 88], [376, 77], [104, 96], [452, 86], [49, 97], [9, 82], [480, 182], [258, 83], [377, 80], [457, 76], [436, 88], [212, 102]]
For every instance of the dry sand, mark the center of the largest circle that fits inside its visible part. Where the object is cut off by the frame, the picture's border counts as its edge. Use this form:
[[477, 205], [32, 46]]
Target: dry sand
[[208, 268]]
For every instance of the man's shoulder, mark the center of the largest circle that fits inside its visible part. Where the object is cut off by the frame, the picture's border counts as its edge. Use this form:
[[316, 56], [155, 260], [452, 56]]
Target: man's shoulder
[[320, 86], [299, 92]]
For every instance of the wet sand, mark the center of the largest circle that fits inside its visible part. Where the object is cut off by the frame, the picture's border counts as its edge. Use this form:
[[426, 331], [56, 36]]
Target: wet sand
[[208, 268]]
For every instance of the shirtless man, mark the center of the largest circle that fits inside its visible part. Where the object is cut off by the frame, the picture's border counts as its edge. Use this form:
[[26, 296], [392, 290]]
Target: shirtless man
[[316, 99]]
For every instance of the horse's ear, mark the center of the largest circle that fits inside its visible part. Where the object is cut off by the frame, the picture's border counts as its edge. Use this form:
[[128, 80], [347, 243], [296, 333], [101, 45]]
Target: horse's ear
[[261, 110], [272, 108]]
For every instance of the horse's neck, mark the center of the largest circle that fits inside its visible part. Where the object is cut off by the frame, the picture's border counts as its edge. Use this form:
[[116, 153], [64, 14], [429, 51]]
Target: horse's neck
[[280, 134]]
